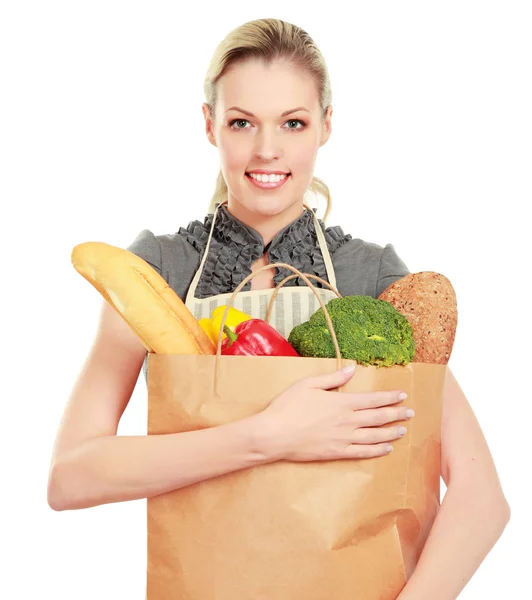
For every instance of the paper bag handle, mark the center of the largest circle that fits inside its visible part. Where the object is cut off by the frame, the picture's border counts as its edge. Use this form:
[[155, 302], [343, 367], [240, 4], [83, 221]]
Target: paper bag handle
[[326, 283], [298, 274]]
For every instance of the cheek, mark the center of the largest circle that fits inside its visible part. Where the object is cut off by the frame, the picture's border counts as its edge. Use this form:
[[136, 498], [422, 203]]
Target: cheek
[[234, 154], [303, 160], [301, 153]]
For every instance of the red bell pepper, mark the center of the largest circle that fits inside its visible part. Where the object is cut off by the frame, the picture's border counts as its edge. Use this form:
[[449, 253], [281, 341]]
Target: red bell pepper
[[256, 337]]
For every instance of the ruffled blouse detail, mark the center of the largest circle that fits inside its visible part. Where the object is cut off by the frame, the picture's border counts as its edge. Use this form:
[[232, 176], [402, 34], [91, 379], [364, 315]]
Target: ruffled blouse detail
[[235, 246]]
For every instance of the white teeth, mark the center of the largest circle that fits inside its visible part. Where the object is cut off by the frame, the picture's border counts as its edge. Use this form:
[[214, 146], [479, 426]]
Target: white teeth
[[267, 178]]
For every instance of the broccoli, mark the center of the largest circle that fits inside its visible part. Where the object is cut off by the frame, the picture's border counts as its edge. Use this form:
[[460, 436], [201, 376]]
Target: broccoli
[[368, 330]]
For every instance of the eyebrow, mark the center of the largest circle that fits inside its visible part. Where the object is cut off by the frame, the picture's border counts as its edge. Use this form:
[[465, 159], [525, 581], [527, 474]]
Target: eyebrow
[[288, 112]]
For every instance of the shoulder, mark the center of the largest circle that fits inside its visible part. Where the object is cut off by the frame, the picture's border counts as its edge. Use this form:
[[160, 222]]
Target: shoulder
[[171, 255], [367, 268], [147, 246]]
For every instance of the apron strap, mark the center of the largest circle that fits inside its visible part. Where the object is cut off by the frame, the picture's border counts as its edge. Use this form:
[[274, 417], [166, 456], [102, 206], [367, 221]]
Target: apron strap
[[192, 289], [322, 242]]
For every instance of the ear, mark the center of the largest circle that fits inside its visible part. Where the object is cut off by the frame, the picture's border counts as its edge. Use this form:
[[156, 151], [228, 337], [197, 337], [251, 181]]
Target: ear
[[209, 127], [326, 127]]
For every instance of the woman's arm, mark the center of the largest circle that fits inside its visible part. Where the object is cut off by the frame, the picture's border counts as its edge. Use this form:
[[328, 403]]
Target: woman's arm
[[474, 511], [119, 468], [91, 465]]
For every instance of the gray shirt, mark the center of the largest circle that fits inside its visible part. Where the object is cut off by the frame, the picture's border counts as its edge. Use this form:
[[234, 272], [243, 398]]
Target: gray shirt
[[361, 268]]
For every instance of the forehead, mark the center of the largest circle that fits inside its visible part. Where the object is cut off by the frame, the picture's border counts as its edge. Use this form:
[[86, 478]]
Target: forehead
[[267, 90]]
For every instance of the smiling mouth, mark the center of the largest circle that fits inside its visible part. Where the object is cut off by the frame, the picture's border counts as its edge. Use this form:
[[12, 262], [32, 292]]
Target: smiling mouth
[[275, 175], [277, 182]]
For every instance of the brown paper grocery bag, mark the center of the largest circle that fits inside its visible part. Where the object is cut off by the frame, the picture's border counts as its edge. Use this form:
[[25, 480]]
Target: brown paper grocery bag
[[326, 530]]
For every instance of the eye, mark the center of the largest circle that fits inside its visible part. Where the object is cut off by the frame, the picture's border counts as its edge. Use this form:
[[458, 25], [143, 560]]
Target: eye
[[302, 123], [238, 121], [297, 121]]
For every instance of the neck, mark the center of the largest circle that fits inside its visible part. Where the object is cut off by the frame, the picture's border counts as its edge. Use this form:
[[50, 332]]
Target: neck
[[268, 226]]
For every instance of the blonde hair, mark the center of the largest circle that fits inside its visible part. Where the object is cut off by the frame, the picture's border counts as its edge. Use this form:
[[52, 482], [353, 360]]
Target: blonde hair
[[268, 40]]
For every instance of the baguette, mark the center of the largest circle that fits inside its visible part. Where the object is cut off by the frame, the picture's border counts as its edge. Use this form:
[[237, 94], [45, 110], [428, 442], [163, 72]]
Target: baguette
[[142, 298], [427, 299]]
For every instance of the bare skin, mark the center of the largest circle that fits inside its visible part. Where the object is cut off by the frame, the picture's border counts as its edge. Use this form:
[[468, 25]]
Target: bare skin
[[264, 280]]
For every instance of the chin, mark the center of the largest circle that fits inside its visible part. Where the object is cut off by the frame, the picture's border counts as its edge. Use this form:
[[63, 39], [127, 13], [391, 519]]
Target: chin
[[267, 207]]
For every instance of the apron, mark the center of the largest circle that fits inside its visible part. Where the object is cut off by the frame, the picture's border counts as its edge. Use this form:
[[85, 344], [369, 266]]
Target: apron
[[292, 306]]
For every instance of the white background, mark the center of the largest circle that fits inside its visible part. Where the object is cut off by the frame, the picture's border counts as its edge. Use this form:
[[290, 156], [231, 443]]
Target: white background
[[102, 135]]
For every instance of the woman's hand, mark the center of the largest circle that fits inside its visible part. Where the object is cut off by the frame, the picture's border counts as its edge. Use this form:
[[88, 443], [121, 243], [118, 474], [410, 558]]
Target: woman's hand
[[309, 422]]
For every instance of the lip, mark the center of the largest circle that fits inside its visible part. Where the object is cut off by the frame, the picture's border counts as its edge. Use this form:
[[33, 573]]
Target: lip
[[266, 185], [265, 172]]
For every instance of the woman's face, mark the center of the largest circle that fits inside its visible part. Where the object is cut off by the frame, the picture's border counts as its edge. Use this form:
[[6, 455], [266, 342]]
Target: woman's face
[[265, 139]]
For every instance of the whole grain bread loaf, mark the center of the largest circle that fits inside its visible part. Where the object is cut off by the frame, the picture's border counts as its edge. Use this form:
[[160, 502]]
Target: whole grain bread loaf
[[428, 300]]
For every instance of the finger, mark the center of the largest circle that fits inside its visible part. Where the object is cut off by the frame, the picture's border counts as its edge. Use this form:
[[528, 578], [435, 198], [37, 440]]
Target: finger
[[377, 435], [367, 451], [380, 416], [364, 400], [331, 380]]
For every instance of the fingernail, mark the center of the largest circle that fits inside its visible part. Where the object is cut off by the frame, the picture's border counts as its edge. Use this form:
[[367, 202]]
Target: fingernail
[[402, 396], [401, 430], [410, 413], [389, 448], [349, 369]]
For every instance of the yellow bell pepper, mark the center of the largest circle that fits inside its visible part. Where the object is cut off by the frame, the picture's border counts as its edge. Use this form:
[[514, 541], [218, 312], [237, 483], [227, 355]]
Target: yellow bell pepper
[[212, 326], [206, 325], [234, 318]]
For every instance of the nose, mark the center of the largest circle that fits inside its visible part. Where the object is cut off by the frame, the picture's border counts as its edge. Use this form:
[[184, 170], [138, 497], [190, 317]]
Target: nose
[[267, 145]]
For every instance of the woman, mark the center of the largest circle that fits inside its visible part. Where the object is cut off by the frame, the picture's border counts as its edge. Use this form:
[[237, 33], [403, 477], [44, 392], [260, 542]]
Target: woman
[[268, 109]]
